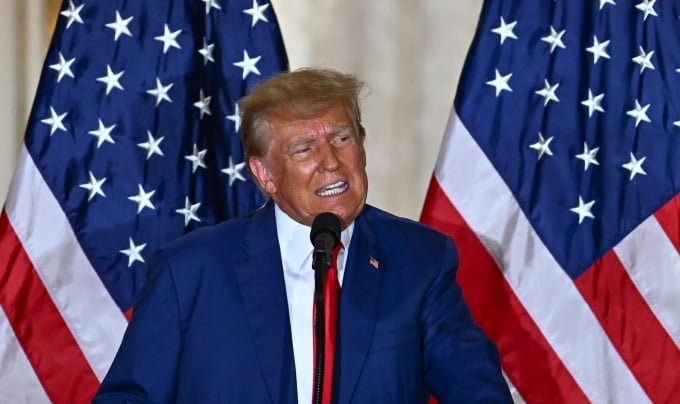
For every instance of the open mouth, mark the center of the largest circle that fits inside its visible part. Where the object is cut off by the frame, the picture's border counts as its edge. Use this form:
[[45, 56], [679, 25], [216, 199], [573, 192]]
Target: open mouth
[[333, 189]]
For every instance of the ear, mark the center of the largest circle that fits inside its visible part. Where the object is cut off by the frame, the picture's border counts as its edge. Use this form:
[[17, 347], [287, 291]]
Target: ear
[[260, 169], [362, 137]]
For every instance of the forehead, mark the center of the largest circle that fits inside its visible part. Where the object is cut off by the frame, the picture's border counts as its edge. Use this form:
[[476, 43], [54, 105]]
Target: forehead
[[284, 116], [330, 120]]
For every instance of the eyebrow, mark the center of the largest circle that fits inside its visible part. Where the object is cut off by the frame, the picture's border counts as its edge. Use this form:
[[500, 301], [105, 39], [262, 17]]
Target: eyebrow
[[340, 128], [334, 130], [300, 142]]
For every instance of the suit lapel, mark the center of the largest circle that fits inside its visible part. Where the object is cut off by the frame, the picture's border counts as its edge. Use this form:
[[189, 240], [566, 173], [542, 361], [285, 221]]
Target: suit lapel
[[264, 296], [358, 307]]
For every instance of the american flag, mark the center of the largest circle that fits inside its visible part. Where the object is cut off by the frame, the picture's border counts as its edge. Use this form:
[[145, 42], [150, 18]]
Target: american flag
[[558, 179], [132, 141]]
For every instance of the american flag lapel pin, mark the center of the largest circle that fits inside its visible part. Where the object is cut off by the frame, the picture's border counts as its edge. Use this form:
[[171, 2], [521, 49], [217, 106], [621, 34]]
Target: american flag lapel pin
[[374, 262]]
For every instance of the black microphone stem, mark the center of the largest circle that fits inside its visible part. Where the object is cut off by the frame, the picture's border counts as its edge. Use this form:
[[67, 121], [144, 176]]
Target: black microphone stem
[[325, 235], [320, 334]]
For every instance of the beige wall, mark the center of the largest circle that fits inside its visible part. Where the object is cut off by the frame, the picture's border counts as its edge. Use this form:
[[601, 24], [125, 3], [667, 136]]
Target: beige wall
[[22, 50], [410, 52]]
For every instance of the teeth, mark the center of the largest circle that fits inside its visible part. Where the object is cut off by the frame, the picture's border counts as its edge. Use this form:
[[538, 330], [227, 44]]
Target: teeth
[[333, 189]]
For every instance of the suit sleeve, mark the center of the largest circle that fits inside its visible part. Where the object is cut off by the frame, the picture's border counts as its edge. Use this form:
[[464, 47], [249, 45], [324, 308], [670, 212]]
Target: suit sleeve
[[461, 363], [145, 367]]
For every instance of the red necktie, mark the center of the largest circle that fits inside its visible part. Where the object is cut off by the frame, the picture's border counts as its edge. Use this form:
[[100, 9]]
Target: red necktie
[[331, 296]]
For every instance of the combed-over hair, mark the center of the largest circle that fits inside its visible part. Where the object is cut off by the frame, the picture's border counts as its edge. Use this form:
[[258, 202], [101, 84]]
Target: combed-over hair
[[301, 94]]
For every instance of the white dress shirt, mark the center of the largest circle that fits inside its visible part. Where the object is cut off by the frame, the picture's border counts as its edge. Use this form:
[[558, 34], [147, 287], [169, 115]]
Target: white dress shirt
[[296, 256]]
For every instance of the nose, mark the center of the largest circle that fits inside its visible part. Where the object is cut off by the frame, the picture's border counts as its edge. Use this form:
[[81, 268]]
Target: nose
[[329, 159]]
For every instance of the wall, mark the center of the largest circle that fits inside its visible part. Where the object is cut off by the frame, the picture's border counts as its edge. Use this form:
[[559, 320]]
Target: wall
[[22, 50]]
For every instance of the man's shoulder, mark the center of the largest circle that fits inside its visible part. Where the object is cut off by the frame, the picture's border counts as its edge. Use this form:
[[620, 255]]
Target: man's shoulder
[[382, 220], [416, 249], [223, 235]]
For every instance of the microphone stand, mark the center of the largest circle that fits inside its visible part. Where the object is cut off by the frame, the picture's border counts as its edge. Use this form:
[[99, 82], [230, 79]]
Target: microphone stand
[[320, 263]]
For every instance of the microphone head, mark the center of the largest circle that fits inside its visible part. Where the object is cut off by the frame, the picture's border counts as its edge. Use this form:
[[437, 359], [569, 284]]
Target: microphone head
[[326, 224]]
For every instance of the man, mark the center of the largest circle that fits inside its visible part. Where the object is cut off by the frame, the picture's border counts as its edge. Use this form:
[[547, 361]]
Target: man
[[226, 314]]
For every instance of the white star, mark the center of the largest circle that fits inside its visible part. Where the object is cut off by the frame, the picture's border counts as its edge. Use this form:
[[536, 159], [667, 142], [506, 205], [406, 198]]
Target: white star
[[72, 14], [598, 49], [505, 30], [676, 123], [207, 52], [257, 12], [248, 64], [55, 121], [94, 187], [500, 83], [103, 133], [196, 158], [234, 171], [63, 67], [583, 209], [189, 211], [134, 252], [161, 92], [603, 2], [594, 103], [203, 104], [647, 8], [554, 39], [644, 59], [143, 199], [634, 166], [152, 146], [542, 146], [588, 156], [168, 38], [111, 79], [639, 113], [120, 26], [210, 4], [236, 118], [548, 92]]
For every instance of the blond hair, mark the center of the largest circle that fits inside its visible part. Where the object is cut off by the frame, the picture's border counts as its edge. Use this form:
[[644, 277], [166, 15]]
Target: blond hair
[[301, 94]]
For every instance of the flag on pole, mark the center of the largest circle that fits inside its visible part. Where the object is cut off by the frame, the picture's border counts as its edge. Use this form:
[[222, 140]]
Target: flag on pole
[[558, 179], [132, 141]]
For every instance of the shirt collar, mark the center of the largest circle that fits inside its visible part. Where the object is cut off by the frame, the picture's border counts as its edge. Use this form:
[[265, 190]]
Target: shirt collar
[[294, 240]]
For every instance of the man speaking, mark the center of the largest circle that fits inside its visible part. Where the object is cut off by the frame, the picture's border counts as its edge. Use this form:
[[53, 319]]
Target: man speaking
[[251, 311]]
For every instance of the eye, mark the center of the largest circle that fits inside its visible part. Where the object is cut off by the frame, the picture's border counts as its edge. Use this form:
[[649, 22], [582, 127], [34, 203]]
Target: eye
[[342, 139], [302, 152]]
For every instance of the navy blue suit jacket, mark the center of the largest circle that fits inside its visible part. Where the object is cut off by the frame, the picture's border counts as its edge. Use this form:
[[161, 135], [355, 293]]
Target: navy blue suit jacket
[[211, 324]]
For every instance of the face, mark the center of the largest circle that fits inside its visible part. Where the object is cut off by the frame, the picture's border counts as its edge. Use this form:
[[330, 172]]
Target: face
[[313, 166]]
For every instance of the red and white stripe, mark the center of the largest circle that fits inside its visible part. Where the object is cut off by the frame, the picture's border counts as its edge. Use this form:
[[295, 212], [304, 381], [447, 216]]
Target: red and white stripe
[[609, 336], [65, 327], [18, 381]]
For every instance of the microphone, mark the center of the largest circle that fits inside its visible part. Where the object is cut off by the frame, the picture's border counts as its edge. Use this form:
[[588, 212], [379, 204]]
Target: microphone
[[325, 236]]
